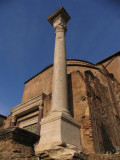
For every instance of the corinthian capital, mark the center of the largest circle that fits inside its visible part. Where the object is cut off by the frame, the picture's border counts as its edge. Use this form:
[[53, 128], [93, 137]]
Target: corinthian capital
[[59, 20], [60, 25]]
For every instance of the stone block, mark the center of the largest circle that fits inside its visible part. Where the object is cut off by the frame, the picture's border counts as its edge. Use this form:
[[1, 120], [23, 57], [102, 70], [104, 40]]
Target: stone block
[[58, 128]]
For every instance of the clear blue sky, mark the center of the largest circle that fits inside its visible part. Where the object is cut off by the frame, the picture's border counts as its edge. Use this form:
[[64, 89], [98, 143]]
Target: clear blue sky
[[27, 39]]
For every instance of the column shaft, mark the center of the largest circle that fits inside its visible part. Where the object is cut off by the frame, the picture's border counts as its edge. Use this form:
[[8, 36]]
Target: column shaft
[[59, 84]]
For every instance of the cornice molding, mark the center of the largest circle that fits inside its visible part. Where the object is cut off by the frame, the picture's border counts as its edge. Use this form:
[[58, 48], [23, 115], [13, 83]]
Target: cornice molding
[[28, 105]]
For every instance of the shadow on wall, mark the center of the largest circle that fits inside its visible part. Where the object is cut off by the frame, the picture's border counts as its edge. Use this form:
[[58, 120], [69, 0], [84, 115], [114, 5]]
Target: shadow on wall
[[70, 95], [101, 109], [107, 144]]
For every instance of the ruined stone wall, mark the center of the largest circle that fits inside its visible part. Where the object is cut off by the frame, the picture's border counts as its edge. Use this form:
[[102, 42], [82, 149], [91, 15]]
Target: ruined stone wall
[[11, 149], [94, 101], [96, 104], [17, 144], [81, 110], [103, 100], [93, 97]]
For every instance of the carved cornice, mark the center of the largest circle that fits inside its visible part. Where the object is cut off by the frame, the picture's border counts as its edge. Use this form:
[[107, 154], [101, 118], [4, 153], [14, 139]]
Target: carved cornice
[[28, 105], [61, 12], [59, 20]]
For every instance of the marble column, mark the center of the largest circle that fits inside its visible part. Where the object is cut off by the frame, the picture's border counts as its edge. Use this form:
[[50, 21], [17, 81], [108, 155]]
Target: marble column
[[59, 84], [40, 116], [59, 128]]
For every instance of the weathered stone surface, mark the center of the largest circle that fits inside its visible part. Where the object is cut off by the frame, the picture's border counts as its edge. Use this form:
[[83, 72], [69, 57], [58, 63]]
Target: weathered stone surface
[[59, 150], [19, 135], [103, 157], [10, 149], [56, 128], [16, 143], [89, 98], [93, 100], [104, 108], [81, 111]]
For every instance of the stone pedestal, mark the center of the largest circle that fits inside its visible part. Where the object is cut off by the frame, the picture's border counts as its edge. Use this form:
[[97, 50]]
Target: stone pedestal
[[60, 136], [59, 127]]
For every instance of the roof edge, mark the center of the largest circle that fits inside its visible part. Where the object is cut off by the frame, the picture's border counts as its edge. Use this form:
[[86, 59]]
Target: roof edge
[[109, 57], [52, 65], [98, 63]]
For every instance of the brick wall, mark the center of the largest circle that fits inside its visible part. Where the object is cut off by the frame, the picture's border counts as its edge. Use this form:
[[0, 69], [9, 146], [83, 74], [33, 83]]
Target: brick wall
[[94, 101]]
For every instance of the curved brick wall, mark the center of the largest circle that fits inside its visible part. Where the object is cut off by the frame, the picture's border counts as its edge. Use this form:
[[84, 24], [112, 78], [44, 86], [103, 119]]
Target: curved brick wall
[[94, 101]]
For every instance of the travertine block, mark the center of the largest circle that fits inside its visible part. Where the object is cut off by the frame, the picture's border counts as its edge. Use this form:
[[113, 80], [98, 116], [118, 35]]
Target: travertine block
[[58, 128]]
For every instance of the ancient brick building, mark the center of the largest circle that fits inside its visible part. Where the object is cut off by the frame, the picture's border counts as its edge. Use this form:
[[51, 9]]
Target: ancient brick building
[[93, 101]]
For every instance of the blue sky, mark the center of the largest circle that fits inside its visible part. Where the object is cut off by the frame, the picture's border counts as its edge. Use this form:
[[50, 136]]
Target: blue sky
[[27, 39]]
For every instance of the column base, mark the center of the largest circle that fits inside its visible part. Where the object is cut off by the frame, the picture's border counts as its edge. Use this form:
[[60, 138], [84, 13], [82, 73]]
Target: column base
[[60, 136]]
